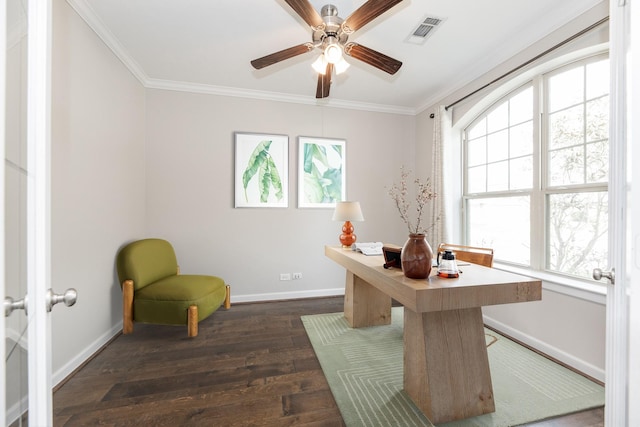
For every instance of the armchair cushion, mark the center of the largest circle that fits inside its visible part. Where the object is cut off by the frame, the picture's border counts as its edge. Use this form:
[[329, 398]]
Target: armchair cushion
[[167, 300]]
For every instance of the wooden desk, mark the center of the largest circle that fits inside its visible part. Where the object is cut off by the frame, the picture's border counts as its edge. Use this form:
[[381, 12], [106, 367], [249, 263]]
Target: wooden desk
[[446, 367]]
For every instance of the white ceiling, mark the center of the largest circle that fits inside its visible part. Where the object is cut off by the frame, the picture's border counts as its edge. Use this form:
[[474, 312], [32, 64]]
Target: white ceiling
[[206, 45]]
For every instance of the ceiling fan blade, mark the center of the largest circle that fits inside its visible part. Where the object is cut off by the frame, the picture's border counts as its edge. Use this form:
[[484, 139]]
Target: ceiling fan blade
[[367, 13], [281, 55], [324, 82], [372, 57], [306, 12]]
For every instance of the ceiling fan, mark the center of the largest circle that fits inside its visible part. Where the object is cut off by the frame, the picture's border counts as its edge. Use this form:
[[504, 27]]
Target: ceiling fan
[[330, 34]]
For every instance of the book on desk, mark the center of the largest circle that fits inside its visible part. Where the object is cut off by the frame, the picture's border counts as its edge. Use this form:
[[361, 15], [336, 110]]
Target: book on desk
[[368, 248]]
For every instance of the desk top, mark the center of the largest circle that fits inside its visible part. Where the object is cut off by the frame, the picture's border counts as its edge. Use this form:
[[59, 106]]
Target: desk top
[[477, 285]]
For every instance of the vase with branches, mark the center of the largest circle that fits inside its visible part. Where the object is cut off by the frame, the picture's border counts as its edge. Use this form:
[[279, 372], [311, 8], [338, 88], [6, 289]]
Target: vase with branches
[[416, 255]]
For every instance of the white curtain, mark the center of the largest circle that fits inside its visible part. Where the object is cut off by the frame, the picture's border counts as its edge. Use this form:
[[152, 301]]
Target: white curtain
[[442, 177]]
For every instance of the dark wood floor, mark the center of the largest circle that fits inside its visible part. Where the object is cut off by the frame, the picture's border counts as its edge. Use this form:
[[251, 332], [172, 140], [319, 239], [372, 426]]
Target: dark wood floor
[[252, 365]]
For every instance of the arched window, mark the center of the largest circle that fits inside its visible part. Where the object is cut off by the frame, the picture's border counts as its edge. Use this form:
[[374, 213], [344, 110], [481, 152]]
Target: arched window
[[536, 170]]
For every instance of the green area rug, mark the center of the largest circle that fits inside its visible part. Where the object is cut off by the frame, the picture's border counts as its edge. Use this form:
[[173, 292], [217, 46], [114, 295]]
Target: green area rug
[[364, 370]]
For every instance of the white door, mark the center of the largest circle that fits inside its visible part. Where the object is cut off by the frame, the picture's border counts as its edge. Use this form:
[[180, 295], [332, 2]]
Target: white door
[[622, 271], [26, 377]]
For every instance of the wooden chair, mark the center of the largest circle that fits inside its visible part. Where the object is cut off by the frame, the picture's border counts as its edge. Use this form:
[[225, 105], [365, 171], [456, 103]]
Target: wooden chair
[[475, 255], [154, 291]]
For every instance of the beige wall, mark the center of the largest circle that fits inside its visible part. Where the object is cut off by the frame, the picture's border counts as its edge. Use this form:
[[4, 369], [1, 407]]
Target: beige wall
[[98, 184]]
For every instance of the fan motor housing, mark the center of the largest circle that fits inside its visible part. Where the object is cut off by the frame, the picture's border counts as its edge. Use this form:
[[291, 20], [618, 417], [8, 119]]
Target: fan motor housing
[[332, 27]]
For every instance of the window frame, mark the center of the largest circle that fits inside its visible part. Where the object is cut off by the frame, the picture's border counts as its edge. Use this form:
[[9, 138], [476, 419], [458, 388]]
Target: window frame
[[540, 191]]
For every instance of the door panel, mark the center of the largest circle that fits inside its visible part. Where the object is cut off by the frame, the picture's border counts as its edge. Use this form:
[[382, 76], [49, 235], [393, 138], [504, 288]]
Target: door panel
[[16, 337], [15, 213]]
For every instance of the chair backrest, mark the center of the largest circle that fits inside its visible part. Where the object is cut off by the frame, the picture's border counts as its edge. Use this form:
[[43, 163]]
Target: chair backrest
[[146, 261], [480, 256]]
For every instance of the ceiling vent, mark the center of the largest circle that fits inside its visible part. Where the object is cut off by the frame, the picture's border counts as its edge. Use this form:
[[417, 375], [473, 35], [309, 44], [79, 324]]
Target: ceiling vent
[[425, 29]]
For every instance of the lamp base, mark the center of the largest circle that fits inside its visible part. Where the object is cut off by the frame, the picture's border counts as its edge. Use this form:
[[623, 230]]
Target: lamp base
[[347, 238]]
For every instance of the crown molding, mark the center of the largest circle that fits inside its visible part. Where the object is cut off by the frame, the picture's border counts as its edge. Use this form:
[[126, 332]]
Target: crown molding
[[272, 96]]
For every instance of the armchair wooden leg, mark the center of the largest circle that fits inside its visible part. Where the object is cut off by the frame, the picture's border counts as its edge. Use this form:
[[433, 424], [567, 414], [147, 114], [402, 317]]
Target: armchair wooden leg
[[192, 320], [227, 298], [127, 307]]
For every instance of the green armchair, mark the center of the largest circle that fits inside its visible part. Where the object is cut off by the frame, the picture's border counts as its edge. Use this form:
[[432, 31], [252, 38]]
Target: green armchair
[[154, 291]]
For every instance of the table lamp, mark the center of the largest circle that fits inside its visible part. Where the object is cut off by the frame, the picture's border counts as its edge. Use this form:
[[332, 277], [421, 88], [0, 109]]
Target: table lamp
[[347, 212]]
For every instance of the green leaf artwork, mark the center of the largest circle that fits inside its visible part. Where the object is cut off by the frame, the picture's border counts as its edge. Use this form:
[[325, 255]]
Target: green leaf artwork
[[322, 165], [261, 163]]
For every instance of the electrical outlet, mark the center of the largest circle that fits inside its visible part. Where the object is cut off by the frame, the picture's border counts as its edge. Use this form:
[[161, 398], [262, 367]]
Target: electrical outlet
[[297, 276], [285, 276]]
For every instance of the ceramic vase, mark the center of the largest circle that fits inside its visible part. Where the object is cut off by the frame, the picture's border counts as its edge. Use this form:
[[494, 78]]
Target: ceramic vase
[[416, 257]]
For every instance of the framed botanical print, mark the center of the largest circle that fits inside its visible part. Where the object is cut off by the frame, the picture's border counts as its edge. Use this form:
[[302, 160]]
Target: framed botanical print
[[321, 172], [261, 170]]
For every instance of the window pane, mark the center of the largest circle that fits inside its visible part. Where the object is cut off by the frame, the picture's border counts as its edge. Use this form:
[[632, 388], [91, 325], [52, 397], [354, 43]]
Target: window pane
[[521, 173], [566, 166], [498, 176], [502, 224], [598, 161], [566, 89], [578, 228], [479, 129], [521, 139], [598, 79], [477, 151], [598, 119], [521, 107], [498, 119], [477, 179], [498, 146], [566, 127]]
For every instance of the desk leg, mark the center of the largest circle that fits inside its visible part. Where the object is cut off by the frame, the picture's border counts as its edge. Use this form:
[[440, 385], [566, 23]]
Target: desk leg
[[446, 367], [364, 305]]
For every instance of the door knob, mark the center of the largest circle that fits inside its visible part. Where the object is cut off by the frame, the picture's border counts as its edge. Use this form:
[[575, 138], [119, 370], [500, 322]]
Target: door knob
[[69, 298], [10, 304], [598, 274]]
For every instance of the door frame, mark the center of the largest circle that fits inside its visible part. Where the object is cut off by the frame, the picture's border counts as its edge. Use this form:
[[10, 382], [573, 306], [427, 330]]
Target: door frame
[[39, 24], [634, 266], [3, 134]]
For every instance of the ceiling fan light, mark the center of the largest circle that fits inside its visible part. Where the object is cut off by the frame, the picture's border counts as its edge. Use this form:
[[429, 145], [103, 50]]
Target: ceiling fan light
[[320, 65], [341, 66], [333, 53]]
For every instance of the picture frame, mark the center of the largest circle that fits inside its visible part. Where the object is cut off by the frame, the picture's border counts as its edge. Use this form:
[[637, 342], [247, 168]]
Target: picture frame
[[261, 170], [392, 256], [321, 172]]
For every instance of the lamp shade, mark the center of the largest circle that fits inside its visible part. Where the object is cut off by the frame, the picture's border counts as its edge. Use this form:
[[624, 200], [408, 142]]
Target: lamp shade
[[348, 211], [341, 66], [320, 65]]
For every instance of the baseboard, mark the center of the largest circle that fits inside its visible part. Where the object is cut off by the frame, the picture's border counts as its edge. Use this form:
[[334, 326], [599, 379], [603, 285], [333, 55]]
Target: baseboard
[[61, 374], [548, 350], [279, 296]]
